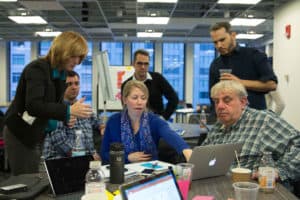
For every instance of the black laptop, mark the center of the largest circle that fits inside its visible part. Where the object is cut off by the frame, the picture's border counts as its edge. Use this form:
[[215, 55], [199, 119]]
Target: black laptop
[[67, 175]]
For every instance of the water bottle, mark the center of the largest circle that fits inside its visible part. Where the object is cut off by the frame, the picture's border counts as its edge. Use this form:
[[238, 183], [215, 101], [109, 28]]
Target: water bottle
[[78, 149], [94, 180], [203, 120], [266, 173], [116, 161]]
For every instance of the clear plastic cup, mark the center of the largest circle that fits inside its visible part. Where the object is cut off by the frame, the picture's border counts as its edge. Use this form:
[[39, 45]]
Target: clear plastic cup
[[184, 177], [222, 71], [245, 190]]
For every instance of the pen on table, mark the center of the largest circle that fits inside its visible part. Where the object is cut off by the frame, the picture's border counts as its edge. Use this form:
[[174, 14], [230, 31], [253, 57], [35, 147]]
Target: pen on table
[[130, 174]]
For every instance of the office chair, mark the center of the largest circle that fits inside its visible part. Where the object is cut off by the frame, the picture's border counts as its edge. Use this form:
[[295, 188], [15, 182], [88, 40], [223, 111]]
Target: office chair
[[297, 188], [168, 154]]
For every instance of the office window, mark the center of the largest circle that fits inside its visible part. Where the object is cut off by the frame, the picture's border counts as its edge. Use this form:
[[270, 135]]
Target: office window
[[204, 53], [19, 57], [148, 46], [115, 52], [44, 47], [16, 77], [173, 66], [84, 70]]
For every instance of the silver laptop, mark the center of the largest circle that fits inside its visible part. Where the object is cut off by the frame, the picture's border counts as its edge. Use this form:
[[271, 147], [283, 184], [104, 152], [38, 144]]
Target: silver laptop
[[213, 160]]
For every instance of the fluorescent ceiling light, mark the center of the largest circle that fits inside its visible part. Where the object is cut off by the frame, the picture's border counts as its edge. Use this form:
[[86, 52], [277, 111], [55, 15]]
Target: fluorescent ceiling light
[[146, 34], [246, 21], [238, 1], [157, 1], [153, 20], [48, 33], [8, 0], [27, 19], [249, 36]]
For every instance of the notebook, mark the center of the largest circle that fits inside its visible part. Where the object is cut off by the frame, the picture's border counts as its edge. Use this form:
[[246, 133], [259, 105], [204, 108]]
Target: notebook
[[67, 175], [213, 160], [158, 186]]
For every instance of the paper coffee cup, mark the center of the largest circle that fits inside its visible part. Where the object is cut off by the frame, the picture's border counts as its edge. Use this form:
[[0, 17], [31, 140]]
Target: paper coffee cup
[[241, 174]]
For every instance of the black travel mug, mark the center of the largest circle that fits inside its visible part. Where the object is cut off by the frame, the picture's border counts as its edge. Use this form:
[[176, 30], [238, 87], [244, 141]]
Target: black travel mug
[[116, 161]]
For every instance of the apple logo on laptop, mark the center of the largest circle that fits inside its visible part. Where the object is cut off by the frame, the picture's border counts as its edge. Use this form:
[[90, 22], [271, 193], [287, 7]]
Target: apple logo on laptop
[[212, 162]]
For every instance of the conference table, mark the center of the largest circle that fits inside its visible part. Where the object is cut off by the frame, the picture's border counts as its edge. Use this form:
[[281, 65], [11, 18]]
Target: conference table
[[190, 130], [221, 188], [192, 133]]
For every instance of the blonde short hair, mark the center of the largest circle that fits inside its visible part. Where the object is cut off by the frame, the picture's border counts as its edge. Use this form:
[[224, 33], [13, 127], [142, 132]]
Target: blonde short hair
[[66, 45], [229, 85], [135, 84]]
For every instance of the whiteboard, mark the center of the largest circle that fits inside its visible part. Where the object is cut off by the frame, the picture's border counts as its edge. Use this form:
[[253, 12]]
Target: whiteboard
[[118, 74]]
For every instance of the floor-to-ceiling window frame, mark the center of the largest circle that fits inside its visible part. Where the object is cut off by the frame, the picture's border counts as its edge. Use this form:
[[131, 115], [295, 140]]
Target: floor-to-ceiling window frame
[[173, 66], [204, 53], [115, 52], [19, 56]]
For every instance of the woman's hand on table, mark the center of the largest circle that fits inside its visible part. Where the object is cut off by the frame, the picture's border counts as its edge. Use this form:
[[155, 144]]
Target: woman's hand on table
[[139, 156]]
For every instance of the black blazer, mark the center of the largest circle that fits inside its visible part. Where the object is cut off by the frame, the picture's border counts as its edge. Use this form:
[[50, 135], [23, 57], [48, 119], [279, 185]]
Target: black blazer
[[41, 96]]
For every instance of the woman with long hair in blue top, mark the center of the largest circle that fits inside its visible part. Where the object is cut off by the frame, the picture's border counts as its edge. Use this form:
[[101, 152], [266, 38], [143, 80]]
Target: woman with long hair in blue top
[[139, 130]]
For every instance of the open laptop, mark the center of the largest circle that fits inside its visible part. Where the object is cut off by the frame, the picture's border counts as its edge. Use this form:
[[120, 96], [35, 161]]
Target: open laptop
[[213, 160], [67, 175], [158, 186]]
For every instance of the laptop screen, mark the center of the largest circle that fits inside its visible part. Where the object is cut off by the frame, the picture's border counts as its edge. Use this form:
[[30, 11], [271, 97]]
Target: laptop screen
[[213, 160], [67, 175], [160, 186]]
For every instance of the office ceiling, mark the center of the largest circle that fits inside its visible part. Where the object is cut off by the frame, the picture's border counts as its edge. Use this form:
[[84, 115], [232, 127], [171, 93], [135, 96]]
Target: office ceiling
[[116, 19]]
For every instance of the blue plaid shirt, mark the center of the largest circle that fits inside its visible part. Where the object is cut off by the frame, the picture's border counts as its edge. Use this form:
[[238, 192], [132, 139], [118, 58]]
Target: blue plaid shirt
[[261, 131], [59, 143]]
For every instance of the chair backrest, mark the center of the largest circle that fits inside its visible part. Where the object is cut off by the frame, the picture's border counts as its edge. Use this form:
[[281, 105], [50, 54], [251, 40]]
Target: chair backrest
[[1, 125], [189, 105], [168, 154], [297, 188]]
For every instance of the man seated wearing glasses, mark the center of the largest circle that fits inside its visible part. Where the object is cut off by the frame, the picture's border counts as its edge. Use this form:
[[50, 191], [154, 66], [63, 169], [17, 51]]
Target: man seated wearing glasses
[[157, 85], [61, 142], [258, 130]]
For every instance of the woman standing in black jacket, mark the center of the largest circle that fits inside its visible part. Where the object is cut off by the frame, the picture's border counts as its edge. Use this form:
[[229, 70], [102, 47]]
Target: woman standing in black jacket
[[39, 98]]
